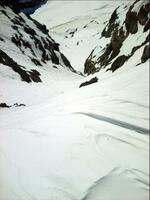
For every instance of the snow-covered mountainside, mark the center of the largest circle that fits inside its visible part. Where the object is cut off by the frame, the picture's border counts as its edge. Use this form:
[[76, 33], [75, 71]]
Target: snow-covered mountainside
[[102, 33], [67, 136], [76, 26], [27, 53], [29, 39], [128, 30]]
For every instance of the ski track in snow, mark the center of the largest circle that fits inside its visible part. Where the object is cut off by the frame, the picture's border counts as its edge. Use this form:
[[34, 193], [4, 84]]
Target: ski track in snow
[[122, 124]]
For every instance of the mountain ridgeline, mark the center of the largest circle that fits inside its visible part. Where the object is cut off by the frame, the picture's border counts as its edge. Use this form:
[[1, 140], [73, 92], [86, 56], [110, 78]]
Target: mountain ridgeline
[[127, 32], [125, 21], [25, 46]]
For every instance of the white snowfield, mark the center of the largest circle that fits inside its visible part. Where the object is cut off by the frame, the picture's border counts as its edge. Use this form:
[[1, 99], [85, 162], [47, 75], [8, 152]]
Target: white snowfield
[[71, 143]]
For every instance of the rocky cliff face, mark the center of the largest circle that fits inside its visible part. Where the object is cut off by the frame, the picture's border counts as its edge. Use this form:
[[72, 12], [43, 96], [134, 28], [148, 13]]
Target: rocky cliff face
[[126, 21], [26, 46]]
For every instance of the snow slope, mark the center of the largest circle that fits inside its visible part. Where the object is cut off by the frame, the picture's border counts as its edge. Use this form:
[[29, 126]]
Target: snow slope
[[71, 143], [60, 147]]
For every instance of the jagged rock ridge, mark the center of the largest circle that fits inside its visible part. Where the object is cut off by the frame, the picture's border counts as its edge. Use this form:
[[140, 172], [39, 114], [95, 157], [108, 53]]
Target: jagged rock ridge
[[119, 29], [31, 42]]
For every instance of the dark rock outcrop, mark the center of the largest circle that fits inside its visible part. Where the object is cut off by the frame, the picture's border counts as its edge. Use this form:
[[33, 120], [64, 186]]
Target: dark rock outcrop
[[146, 54], [67, 63], [143, 14], [26, 76], [1, 39], [131, 22], [118, 63], [5, 105], [46, 45], [133, 18], [112, 24], [19, 104], [147, 26], [89, 67], [113, 49], [93, 80], [36, 61]]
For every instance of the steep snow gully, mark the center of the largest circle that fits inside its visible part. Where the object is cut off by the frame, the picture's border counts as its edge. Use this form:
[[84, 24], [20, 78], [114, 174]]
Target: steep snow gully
[[60, 141]]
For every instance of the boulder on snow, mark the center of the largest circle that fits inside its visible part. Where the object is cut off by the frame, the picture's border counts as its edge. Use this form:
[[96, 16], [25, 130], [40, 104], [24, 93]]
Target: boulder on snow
[[93, 80], [4, 105]]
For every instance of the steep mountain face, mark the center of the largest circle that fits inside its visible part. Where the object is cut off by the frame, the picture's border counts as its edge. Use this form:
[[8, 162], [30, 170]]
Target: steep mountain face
[[128, 30], [23, 36]]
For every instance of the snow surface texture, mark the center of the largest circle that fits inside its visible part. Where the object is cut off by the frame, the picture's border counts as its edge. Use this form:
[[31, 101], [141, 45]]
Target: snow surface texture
[[72, 143]]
